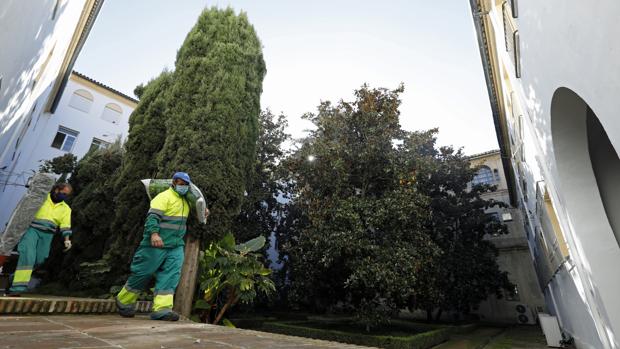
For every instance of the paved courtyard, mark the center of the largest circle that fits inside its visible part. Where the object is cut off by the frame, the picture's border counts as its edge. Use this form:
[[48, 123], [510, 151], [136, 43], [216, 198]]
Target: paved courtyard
[[111, 331]]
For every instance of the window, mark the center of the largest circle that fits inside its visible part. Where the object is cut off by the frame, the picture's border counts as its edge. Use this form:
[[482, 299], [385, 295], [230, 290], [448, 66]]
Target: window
[[514, 6], [81, 100], [98, 144], [494, 216], [511, 37], [112, 113], [484, 176], [496, 174], [65, 139], [517, 53]]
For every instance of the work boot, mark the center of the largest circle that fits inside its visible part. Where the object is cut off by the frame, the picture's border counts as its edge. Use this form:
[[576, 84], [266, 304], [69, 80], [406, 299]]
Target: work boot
[[165, 316], [125, 310]]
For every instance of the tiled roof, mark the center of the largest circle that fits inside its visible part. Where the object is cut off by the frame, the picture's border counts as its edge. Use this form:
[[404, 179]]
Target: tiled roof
[[494, 151], [105, 86]]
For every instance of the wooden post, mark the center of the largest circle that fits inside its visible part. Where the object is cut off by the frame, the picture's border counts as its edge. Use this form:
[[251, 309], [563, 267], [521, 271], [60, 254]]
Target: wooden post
[[187, 285]]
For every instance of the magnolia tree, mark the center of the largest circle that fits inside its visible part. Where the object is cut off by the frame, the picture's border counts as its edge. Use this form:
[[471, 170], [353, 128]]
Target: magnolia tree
[[381, 219]]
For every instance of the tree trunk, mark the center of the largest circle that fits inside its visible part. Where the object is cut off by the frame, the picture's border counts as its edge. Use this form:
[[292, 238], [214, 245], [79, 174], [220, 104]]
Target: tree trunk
[[187, 285], [231, 301], [429, 315], [439, 314]]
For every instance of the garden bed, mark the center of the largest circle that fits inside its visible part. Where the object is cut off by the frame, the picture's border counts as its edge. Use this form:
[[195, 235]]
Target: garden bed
[[399, 334], [391, 337]]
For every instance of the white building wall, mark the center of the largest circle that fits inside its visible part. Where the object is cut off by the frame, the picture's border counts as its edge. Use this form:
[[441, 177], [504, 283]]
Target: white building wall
[[34, 40], [89, 125], [568, 44], [38, 139]]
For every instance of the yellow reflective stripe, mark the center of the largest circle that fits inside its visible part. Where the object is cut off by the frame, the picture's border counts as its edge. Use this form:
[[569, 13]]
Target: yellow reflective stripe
[[163, 301], [127, 297], [22, 276]]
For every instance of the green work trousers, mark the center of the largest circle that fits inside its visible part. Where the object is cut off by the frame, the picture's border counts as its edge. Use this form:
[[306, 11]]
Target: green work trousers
[[162, 263], [33, 248]]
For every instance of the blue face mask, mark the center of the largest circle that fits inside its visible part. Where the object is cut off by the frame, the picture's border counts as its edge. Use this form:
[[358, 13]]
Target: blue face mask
[[181, 189]]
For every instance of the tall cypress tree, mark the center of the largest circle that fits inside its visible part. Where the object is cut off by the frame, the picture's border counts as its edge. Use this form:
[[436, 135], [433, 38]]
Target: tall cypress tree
[[202, 118], [147, 132], [212, 123]]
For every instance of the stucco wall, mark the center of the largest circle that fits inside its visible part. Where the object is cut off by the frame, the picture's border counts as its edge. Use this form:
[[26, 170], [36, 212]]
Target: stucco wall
[[31, 38], [568, 53], [38, 140], [514, 256]]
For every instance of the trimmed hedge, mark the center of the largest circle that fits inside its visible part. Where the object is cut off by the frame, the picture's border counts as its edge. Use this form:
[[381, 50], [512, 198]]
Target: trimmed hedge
[[423, 340], [254, 323]]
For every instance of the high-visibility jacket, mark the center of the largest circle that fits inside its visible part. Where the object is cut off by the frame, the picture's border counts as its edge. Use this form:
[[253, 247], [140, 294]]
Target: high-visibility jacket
[[168, 217], [52, 217]]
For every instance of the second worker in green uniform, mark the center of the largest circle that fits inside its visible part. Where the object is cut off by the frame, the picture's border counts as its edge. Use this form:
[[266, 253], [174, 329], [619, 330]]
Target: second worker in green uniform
[[160, 253]]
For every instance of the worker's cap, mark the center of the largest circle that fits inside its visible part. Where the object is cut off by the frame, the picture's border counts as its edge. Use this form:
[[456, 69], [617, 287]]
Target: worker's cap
[[183, 176]]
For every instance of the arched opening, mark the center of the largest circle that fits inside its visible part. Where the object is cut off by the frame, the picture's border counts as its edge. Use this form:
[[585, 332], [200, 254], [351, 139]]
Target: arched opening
[[588, 184], [81, 100], [588, 165], [606, 167], [112, 113], [484, 176]]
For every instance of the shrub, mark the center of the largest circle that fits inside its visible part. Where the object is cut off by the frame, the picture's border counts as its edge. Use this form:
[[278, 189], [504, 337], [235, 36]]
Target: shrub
[[422, 340]]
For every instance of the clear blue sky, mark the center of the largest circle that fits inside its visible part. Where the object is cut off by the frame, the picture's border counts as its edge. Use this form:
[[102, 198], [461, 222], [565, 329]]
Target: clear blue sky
[[320, 50]]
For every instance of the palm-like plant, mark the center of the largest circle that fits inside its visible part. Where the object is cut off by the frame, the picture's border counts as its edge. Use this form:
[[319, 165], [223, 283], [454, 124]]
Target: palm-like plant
[[231, 273]]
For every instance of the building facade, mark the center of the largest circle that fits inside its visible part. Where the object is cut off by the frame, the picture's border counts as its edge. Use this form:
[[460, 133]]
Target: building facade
[[552, 75], [89, 115], [514, 255], [39, 41]]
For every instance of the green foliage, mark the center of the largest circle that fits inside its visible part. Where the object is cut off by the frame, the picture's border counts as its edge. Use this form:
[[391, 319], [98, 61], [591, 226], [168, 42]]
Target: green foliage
[[354, 236], [201, 118], [212, 119], [92, 206], [422, 340], [61, 165], [261, 211], [147, 132], [231, 273], [381, 218], [467, 271]]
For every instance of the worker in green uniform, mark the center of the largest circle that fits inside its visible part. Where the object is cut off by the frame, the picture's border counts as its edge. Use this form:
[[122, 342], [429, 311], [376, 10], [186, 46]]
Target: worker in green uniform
[[160, 253], [34, 246]]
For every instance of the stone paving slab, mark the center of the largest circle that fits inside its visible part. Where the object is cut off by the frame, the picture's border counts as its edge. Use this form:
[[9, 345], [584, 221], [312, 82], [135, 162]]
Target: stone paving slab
[[111, 331]]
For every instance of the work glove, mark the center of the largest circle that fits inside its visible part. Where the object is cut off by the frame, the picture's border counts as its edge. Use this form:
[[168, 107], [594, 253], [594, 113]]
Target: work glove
[[67, 245]]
